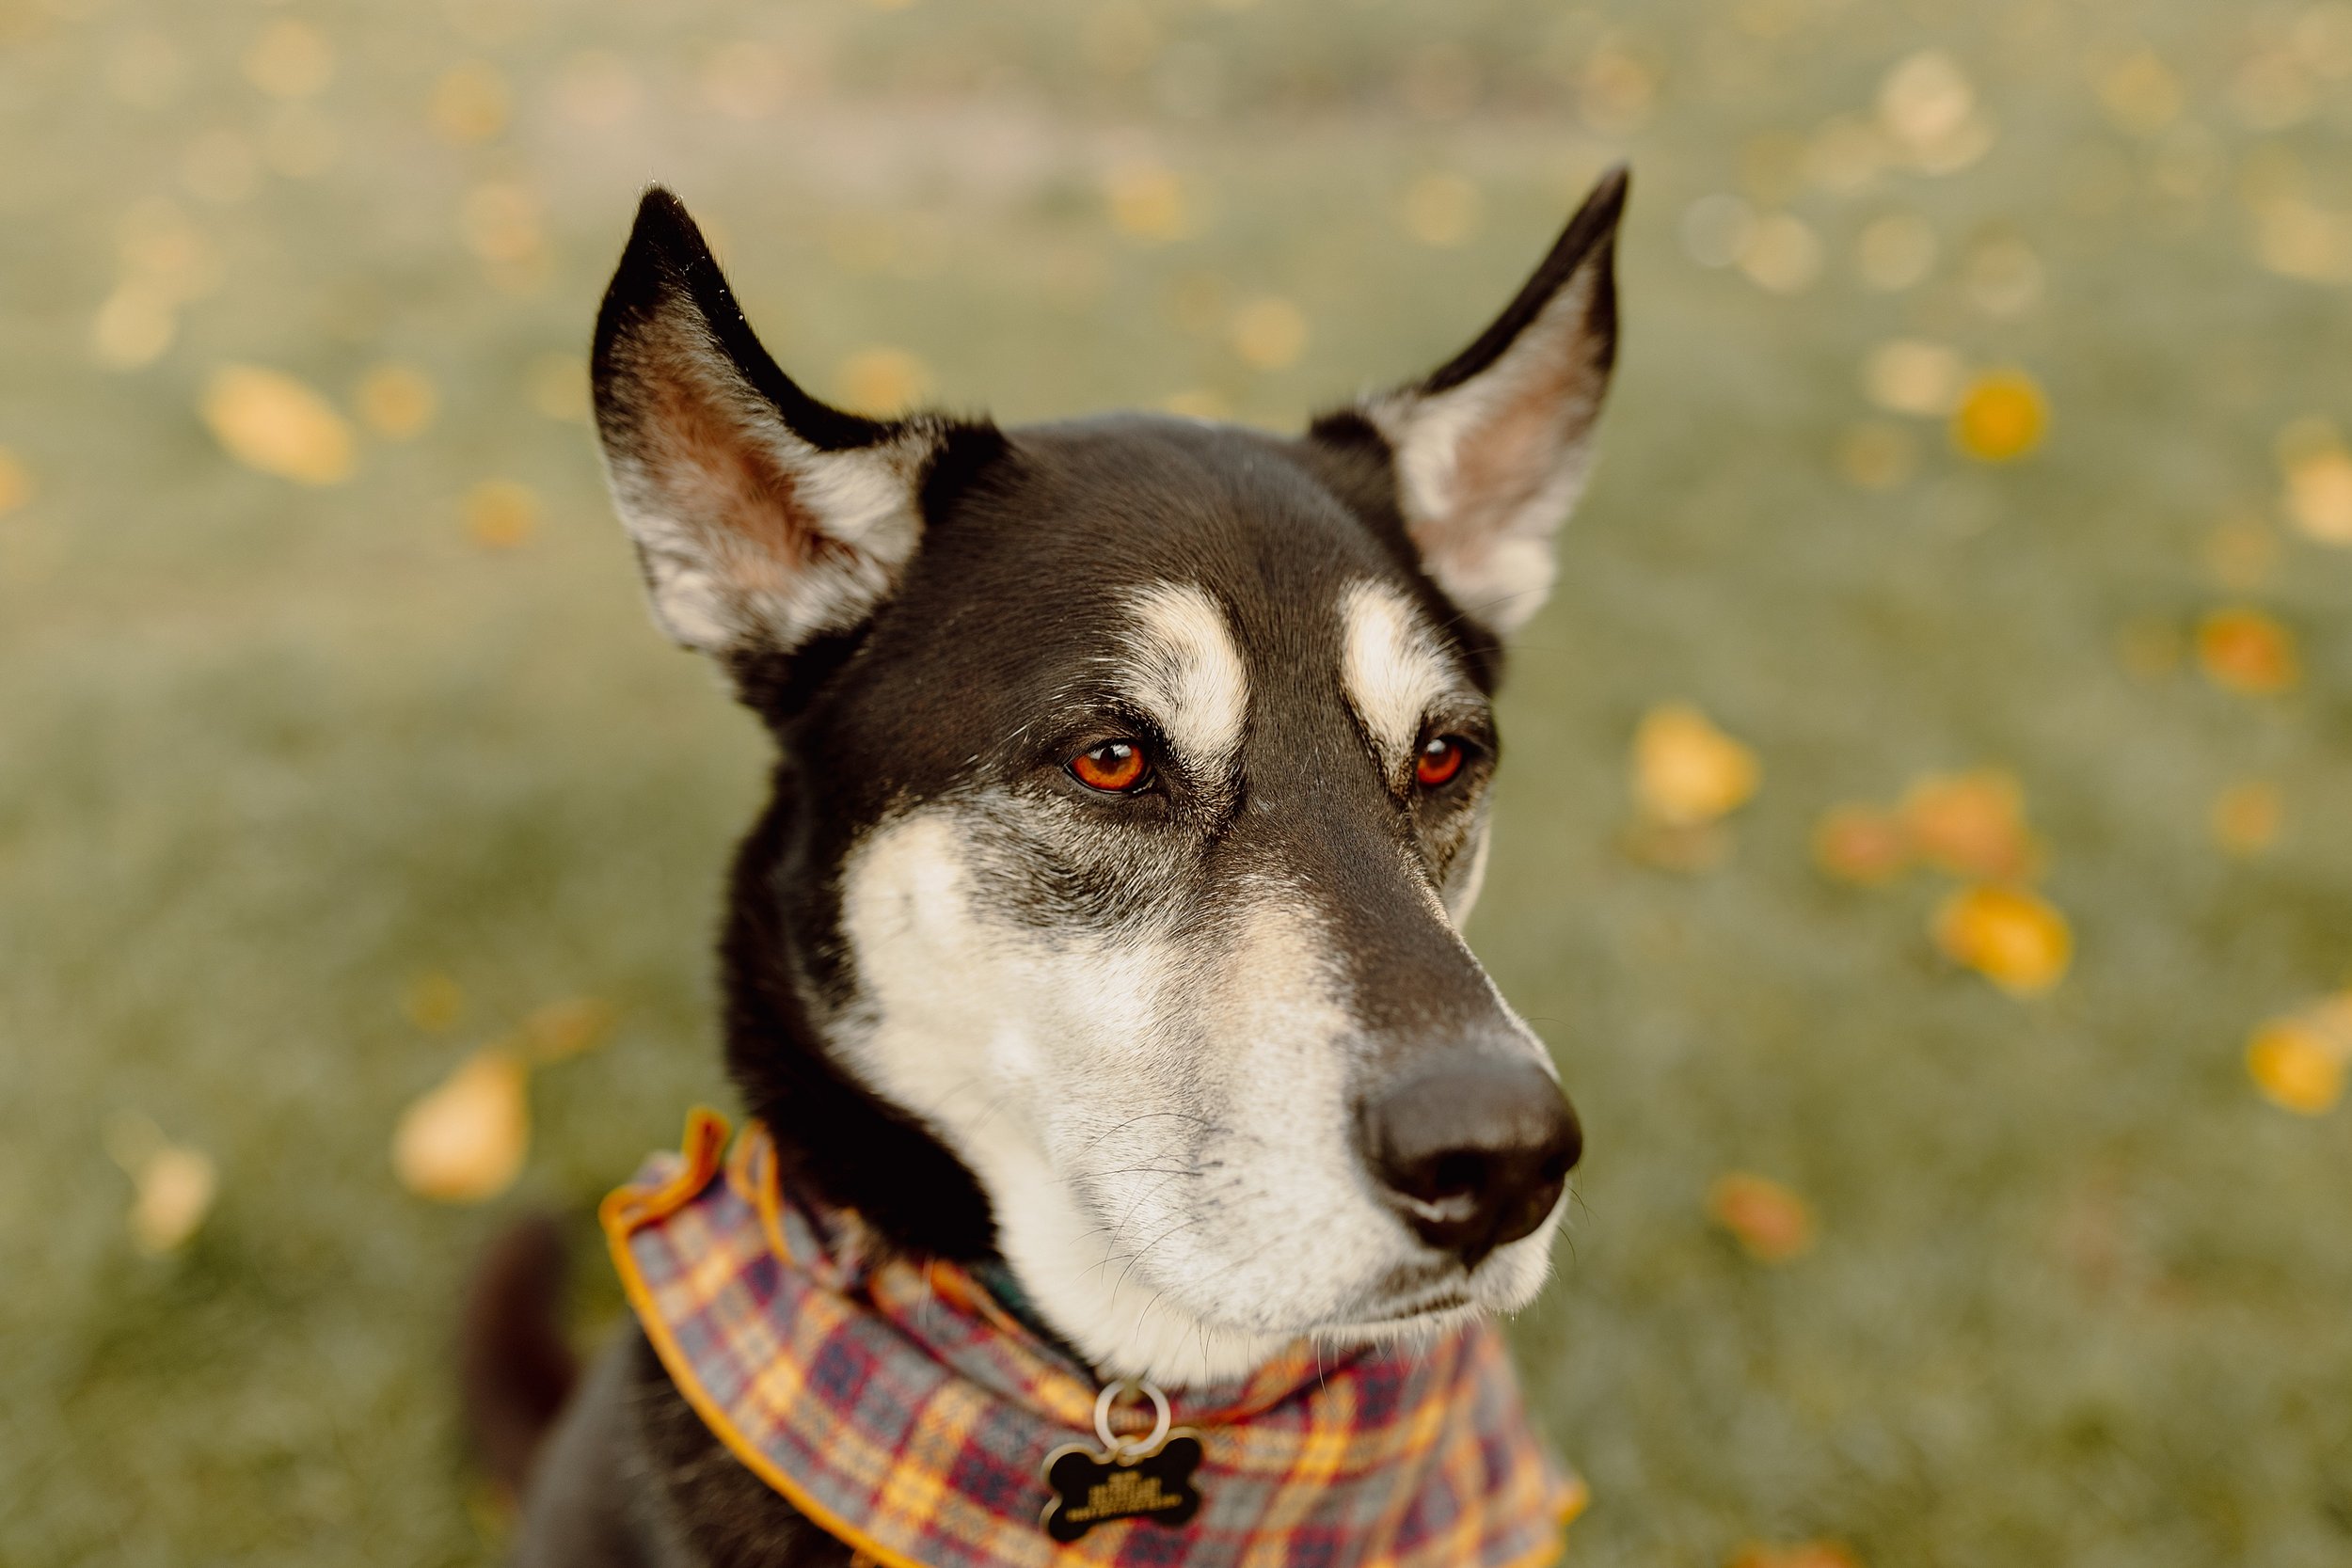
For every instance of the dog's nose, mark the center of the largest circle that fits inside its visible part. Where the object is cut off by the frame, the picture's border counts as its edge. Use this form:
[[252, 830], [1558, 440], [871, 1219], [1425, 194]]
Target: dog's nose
[[1472, 1153]]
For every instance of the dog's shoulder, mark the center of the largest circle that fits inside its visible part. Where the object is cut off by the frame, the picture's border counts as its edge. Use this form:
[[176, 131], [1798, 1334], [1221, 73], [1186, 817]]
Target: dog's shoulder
[[632, 1478]]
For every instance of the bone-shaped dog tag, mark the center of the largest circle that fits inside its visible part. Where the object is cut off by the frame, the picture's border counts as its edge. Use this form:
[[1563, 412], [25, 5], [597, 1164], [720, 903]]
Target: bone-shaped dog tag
[[1091, 1488], [1128, 1478]]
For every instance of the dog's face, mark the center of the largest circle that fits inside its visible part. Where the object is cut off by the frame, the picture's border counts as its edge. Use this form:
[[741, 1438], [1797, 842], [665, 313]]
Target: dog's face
[[1134, 786]]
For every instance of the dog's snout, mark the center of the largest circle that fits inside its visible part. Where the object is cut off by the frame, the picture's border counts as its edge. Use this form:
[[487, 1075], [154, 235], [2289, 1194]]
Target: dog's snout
[[1472, 1153]]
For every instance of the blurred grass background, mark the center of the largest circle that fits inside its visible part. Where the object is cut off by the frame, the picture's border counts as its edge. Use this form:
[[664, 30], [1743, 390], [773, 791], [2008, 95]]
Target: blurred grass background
[[311, 785]]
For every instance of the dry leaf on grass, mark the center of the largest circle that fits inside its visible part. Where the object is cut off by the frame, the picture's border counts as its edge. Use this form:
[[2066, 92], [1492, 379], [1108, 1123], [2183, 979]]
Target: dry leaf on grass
[[1686, 771], [2300, 1062], [1972, 825], [464, 1140], [266, 420], [173, 1184], [2011, 937], [1769, 1221], [2245, 651]]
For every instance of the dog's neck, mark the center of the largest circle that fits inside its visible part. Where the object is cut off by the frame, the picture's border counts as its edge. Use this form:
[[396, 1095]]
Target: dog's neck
[[833, 1137]]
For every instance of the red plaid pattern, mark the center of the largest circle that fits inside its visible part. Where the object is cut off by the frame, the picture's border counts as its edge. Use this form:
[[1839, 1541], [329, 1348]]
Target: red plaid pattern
[[898, 1405]]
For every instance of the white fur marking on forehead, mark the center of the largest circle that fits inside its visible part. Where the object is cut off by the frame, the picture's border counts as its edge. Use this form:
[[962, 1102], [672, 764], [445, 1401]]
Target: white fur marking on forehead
[[1184, 668], [1391, 666]]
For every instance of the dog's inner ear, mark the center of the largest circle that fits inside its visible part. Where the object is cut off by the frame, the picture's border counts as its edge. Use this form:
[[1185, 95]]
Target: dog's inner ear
[[762, 517], [1492, 451]]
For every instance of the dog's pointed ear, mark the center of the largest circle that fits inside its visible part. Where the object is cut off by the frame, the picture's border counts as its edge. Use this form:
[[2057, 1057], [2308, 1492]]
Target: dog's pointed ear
[[1489, 453], [762, 517]]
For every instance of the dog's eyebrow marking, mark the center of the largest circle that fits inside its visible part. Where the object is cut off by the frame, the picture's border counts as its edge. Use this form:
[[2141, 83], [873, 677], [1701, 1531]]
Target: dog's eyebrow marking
[[1392, 669], [1184, 668]]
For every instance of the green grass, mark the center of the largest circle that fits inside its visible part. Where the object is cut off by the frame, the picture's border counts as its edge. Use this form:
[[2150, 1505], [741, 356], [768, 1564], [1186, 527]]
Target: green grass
[[270, 754]]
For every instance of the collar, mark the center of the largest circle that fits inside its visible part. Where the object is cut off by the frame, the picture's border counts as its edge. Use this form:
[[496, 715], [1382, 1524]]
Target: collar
[[909, 1411]]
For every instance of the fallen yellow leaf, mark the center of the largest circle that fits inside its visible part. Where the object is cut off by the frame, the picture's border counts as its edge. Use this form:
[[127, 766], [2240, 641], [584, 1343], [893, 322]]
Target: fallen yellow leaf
[[1686, 770], [1861, 844], [268, 420], [176, 1185], [2319, 495], [1972, 825], [2019, 942], [464, 1140], [2300, 1062], [2245, 651], [2001, 417], [1769, 1220]]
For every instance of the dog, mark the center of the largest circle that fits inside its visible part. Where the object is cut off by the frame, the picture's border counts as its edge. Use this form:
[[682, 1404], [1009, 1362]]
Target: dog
[[1102, 926]]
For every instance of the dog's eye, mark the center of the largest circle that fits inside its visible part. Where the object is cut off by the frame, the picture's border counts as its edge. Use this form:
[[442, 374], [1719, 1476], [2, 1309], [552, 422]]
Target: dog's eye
[[1441, 758], [1114, 768]]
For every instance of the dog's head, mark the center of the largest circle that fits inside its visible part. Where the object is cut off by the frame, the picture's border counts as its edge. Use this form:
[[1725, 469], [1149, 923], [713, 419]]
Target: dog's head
[[1133, 788]]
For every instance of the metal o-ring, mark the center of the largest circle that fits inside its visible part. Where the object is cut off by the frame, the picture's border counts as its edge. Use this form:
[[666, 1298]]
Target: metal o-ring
[[1162, 1416]]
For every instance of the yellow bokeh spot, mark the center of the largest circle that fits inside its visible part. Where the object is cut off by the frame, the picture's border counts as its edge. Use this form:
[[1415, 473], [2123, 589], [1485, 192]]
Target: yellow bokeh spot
[[134, 325], [16, 482], [1686, 770], [464, 1140], [2014, 938], [470, 103], [1269, 333], [2245, 651], [175, 1186], [1441, 210], [2296, 1066], [268, 420], [397, 400], [290, 60], [1769, 1221], [1148, 202], [500, 513], [882, 381], [2001, 416], [2319, 495], [2247, 817], [1972, 825]]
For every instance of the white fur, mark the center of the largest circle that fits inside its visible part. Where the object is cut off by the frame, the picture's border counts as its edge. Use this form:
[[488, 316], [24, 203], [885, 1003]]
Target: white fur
[[1181, 664], [1488, 470], [1160, 1121], [1394, 670]]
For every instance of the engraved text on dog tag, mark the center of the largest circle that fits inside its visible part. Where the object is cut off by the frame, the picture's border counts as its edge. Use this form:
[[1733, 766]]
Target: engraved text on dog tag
[[1091, 1488]]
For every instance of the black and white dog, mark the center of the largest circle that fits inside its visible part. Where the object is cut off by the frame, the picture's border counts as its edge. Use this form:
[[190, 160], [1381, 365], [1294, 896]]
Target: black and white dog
[[1130, 791]]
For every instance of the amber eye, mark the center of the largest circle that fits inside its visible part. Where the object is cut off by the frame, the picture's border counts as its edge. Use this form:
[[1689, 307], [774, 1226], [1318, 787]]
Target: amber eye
[[1114, 768], [1441, 759]]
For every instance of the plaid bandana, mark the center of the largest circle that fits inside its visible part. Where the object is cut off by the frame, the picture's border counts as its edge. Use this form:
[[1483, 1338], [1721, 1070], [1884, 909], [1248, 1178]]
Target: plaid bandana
[[902, 1408]]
